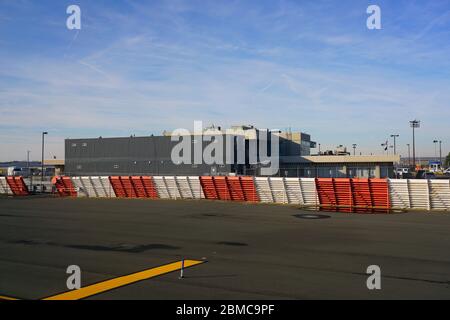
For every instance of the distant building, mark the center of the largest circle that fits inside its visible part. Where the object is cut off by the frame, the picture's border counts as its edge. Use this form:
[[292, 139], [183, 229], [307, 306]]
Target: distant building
[[151, 155]]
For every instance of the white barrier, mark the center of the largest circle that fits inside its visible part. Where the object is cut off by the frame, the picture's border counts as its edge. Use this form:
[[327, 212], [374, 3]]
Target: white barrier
[[419, 195], [263, 189], [81, 192], [184, 189], [88, 187], [309, 191], [98, 187], [196, 187], [189, 187], [293, 191], [161, 187], [106, 184], [439, 194], [399, 194], [4, 186], [172, 187], [278, 190]]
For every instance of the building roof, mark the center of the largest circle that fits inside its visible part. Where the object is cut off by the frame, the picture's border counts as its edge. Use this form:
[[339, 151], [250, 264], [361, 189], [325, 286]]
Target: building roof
[[342, 159], [54, 162]]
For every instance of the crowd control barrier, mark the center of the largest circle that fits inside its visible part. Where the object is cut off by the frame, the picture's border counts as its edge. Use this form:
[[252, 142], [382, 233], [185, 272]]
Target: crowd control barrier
[[13, 186], [335, 194]]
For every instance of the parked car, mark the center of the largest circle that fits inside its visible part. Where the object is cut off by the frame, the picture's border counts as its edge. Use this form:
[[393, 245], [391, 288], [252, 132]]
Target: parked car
[[422, 174], [402, 171], [446, 171]]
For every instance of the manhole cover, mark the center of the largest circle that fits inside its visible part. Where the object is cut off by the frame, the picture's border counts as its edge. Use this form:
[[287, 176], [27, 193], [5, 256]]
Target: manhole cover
[[311, 216]]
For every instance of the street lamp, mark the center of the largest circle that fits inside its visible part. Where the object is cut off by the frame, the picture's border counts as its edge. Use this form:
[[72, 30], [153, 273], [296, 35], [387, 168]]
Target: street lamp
[[395, 146], [42, 163], [414, 124], [435, 149], [354, 148], [440, 153], [28, 161], [409, 154]]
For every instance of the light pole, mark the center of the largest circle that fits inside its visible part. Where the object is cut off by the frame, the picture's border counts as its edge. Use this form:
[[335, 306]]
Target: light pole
[[409, 154], [395, 146], [28, 161], [42, 163], [319, 149], [435, 149], [414, 124], [354, 149], [440, 153]]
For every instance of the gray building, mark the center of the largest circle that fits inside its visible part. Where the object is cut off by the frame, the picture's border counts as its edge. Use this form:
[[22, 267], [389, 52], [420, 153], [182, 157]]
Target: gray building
[[151, 155]]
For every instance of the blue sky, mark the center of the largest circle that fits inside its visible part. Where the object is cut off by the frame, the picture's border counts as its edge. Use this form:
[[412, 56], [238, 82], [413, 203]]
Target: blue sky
[[139, 67]]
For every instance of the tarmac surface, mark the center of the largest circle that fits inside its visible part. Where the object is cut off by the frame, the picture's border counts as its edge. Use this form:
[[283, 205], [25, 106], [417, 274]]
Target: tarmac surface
[[253, 251]]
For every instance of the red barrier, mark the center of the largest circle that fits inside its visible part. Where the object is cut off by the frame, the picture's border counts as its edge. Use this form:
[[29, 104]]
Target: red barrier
[[222, 188], [361, 194], [117, 186], [235, 188], [128, 187], [356, 195], [229, 188], [248, 185], [208, 187], [138, 186], [17, 186], [326, 193], [64, 186], [149, 186], [344, 197], [379, 190]]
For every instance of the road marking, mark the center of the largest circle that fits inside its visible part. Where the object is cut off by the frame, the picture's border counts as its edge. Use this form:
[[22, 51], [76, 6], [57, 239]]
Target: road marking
[[114, 283], [7, 298]]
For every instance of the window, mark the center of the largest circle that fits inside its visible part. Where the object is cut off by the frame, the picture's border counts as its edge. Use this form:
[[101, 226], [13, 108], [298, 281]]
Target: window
[[84, 144], [116, 166], [74, 144], [79, 166]]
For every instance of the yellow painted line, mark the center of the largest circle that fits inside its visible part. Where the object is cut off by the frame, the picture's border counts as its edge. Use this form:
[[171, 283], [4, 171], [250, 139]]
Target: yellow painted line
[[7, 298], [114, 283]]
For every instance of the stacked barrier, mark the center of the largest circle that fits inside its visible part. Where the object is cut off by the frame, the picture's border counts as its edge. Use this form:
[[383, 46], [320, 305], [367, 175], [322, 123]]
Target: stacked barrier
[[399, 194], [440, 194], [419, 196], [64, 186], [4, 187], [293, 191], [249, 189], [229, 188], [309, 191], [301, 191], [336, 194], [263, 189], [172, 187], [348, 194], [15, 186]]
